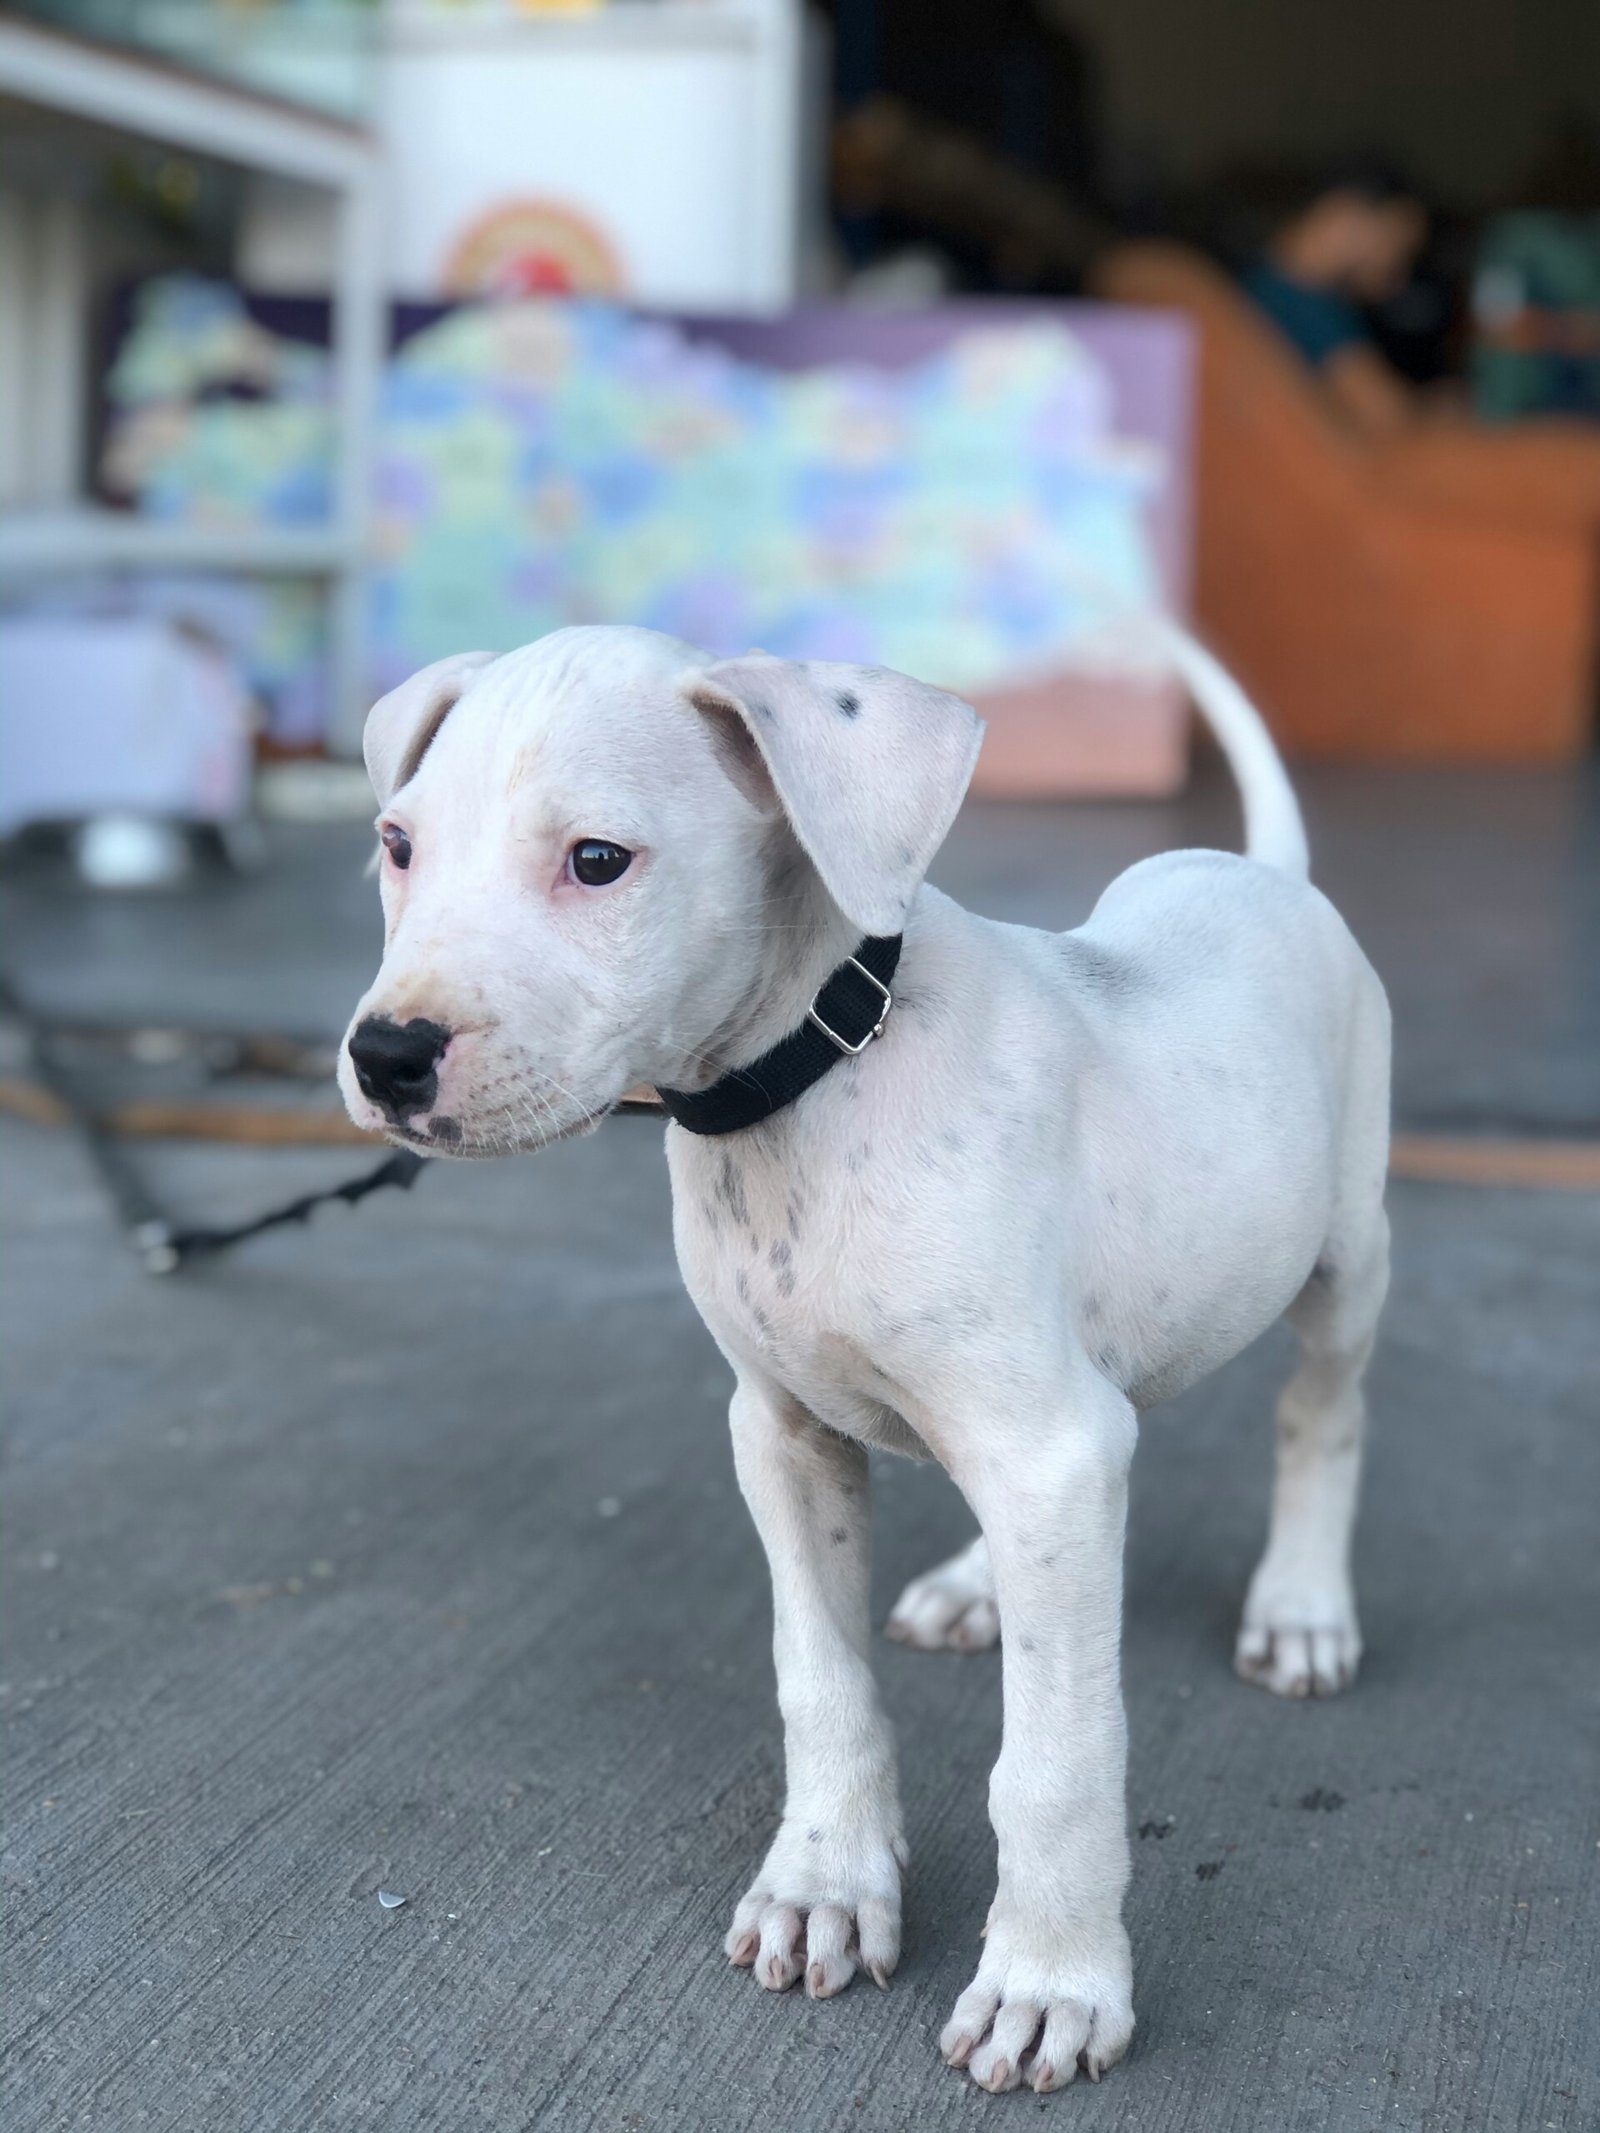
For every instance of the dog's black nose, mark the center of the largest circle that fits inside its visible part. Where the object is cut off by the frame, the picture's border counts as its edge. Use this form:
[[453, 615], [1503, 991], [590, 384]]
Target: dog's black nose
[[396, 1062]]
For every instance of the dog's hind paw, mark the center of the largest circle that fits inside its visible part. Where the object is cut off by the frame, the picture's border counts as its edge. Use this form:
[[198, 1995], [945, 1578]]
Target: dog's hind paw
[[950, 1609], [1298, 1644]]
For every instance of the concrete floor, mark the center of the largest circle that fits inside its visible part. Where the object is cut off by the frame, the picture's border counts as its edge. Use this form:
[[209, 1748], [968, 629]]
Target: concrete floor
[[406, 1551]]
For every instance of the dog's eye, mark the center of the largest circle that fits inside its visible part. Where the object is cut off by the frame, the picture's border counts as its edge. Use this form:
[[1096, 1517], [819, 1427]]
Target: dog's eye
[[594, 862], [397, 844]]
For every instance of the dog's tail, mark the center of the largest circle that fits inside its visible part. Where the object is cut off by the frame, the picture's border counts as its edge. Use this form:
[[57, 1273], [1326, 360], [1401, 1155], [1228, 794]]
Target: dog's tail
[[1273, 830]]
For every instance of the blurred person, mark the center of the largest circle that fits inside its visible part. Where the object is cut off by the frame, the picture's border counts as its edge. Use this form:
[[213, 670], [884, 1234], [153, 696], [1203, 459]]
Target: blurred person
[[1351, 241]]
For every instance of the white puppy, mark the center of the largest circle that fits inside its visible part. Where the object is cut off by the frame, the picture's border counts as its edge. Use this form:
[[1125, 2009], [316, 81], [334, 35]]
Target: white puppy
[[1071, 1174]]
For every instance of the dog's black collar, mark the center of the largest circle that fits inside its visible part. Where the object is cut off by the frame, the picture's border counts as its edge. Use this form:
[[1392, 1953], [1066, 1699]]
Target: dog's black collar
[[848, 1011]]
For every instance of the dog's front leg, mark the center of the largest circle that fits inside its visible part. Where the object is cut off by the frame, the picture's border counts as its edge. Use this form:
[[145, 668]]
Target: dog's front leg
[[1049, 1485], [827, 1898]]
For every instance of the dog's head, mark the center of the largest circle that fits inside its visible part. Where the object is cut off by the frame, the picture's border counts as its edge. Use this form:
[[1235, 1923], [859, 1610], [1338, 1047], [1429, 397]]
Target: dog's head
[[608, 858]]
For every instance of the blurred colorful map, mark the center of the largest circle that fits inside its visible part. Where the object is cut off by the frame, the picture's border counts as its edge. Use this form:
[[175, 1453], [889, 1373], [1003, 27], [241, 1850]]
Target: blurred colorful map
[[966, 517]]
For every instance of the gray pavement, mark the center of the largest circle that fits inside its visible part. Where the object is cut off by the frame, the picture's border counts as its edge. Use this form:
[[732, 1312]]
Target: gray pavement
[[406, 1552]]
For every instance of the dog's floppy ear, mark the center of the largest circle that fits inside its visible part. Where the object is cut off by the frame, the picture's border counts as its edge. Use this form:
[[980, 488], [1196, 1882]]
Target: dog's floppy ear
[[400, 726], [868, 765]]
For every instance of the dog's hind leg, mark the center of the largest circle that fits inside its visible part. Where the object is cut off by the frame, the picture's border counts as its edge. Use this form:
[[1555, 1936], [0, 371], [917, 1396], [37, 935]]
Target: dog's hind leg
[[1299, 1636], [951, 1608]]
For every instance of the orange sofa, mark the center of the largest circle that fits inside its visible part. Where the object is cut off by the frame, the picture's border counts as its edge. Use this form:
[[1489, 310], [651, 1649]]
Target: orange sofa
[[1436, 596]]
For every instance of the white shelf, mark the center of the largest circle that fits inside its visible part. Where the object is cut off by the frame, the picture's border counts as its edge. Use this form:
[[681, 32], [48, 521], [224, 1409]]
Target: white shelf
[[44, 301], [85, 538]]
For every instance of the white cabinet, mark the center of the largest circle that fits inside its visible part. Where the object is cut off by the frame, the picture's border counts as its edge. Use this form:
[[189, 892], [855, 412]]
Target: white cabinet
[[652, 146]]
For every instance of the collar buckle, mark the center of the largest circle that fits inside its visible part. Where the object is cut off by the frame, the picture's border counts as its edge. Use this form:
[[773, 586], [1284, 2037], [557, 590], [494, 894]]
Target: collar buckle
[[852, 1051]]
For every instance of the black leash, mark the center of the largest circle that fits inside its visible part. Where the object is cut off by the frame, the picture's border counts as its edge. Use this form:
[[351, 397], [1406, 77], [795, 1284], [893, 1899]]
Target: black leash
[[401, 1169], [164, 1249], [161, 1244]]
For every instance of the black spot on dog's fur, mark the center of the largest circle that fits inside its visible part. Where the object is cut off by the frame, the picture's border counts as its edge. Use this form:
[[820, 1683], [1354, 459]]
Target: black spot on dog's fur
[[839, 1536], [780, 1257], [730, 1191], [850, 705], [1112, 976], [445, 1129]]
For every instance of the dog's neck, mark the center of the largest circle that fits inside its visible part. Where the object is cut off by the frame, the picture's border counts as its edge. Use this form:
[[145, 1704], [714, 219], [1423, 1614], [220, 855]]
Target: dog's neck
[[803, 939]]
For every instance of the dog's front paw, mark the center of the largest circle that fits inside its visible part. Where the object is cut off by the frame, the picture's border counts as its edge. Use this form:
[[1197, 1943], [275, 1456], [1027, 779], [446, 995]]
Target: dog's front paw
[[1035, 2014], [1298, 1638], [951, 1608], [824, 1905]]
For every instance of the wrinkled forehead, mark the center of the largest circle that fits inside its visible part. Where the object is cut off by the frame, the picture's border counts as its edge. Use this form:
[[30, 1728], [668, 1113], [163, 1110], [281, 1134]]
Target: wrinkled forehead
[[579, 718]]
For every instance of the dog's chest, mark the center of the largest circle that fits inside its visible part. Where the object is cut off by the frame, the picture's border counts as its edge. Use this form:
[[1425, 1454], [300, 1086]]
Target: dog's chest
[[775, 1254]]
